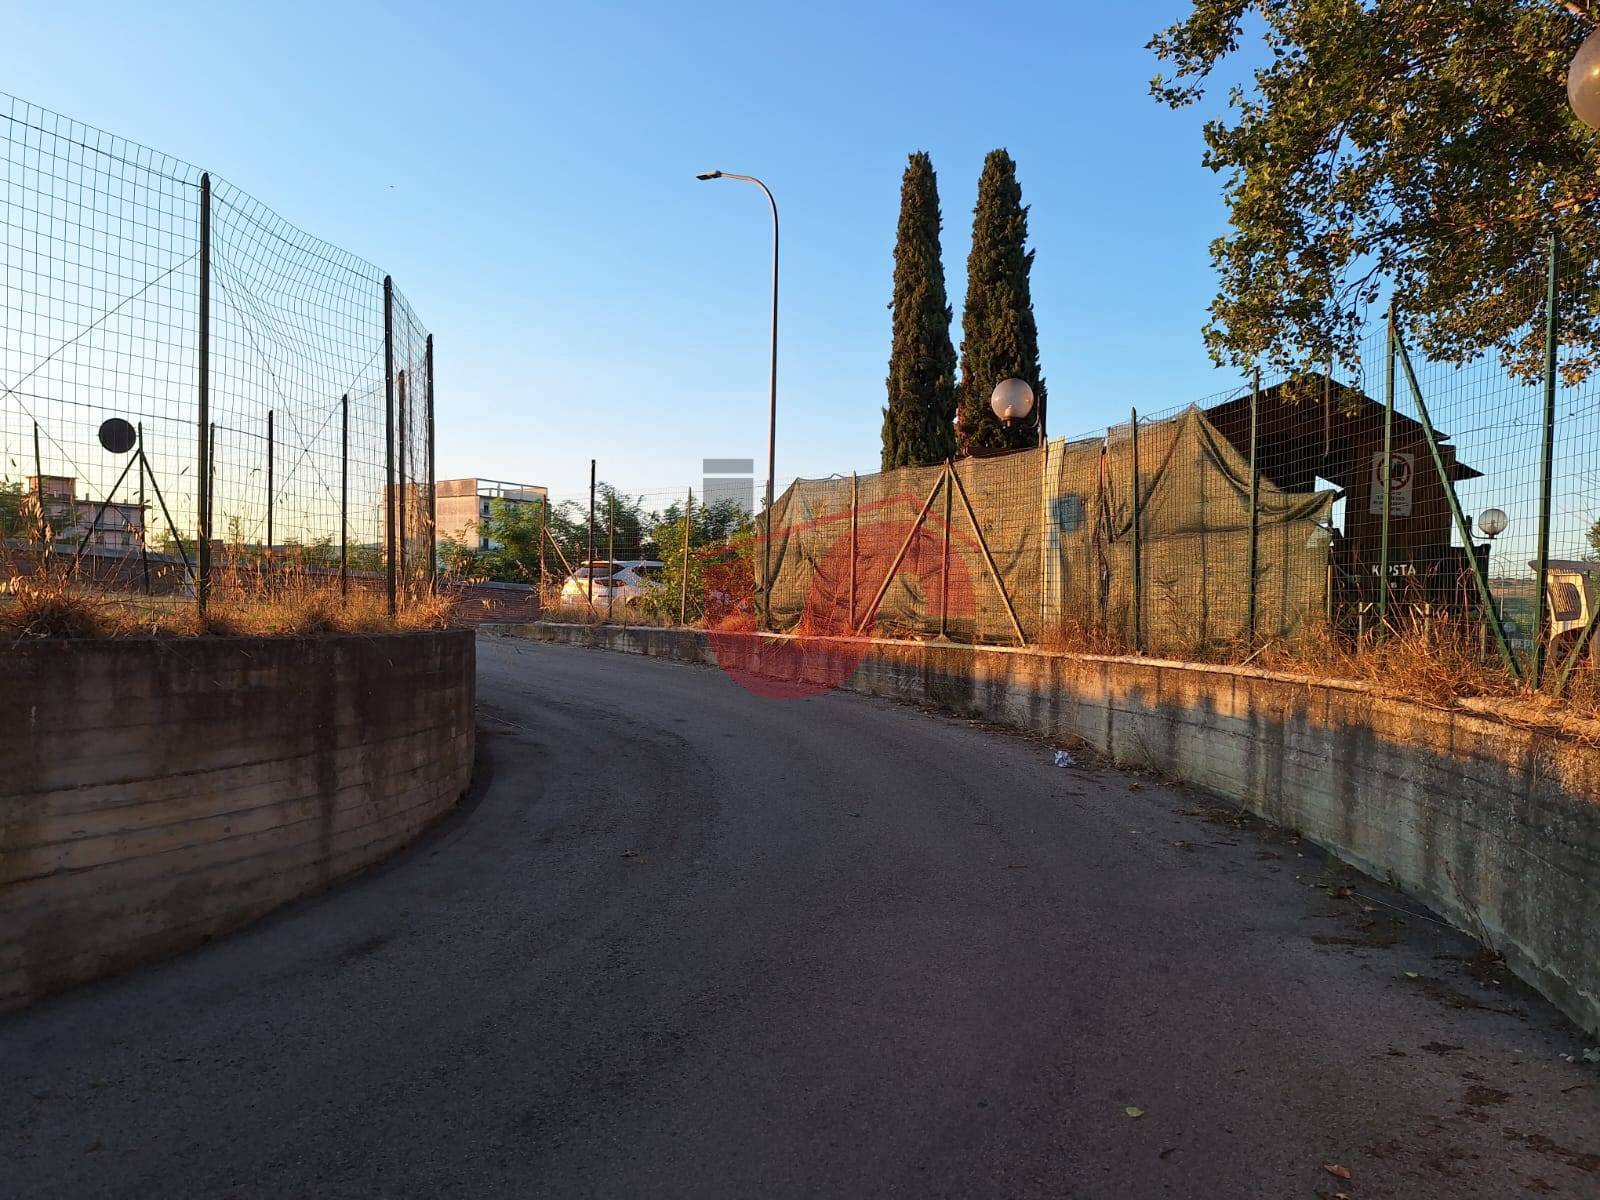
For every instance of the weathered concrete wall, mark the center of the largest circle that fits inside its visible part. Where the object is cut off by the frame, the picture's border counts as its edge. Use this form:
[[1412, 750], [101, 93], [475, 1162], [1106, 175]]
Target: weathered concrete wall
[[155, 793], [1494, 825]]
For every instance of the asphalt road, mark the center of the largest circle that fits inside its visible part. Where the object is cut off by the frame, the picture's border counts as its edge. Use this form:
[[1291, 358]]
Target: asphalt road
[[684, 941]]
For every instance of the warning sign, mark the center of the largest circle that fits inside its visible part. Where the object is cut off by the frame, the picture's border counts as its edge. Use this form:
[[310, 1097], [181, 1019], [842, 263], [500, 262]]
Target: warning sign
[[1402, 467]]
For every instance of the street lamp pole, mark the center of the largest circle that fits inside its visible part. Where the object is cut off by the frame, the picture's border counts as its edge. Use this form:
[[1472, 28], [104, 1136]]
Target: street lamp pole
[[772, 396]]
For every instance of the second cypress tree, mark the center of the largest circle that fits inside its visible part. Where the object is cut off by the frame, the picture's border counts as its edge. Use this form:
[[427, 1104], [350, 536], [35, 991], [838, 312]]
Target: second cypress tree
[[999, 339], [918, 422]]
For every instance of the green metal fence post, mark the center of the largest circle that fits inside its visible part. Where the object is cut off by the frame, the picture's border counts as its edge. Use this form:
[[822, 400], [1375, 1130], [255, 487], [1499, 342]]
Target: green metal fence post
[[1388, 485], [202, 587], [1255, 497], [1138, 543], [1485, 596], [1551, 333], [388, 445]]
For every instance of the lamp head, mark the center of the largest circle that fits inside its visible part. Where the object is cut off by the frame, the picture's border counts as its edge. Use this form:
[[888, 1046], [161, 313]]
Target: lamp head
[[1493, 522], [709, 175], [1011, 400], [1583, 82]]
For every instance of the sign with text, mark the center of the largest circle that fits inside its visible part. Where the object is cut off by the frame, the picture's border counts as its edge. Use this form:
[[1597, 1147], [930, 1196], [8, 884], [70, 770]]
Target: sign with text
[[1402, 468]]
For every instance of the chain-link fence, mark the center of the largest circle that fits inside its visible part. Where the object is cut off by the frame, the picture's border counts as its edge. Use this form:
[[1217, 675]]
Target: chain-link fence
[[1391, 494], [277, 391]]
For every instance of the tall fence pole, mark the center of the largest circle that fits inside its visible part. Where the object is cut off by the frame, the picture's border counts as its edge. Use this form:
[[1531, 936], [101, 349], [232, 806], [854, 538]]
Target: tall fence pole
[[269, 486], [388, 448], [211, 482], [433, 497], [855, 513], [611, 554], [1138, 539], [404, 419], [589, 565], [1551, 336], [944, 561], [1463, 531], [1255, 498], [344, 495], [1388, 484], [544, 514], [144, 541], [683, 583], [38, 498], [202, 588]]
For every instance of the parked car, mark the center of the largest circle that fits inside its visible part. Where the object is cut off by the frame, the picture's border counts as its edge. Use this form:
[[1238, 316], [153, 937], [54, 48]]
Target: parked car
[[617, 583]]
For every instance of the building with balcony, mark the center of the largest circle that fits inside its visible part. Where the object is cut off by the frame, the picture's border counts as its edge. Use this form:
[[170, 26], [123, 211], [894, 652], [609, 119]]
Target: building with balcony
[[463, 505]]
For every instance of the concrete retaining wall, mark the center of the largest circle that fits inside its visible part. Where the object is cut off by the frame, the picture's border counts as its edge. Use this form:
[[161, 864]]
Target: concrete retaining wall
[[156, 793], [1493, 825]]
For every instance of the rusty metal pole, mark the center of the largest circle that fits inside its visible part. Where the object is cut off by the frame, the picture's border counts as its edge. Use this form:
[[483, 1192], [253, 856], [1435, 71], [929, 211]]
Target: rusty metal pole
[[944, 566], [611, 554], [855, 513], [589, 566]]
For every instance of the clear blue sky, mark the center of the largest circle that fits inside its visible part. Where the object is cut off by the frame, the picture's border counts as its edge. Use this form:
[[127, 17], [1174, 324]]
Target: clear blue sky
[[527, 175]]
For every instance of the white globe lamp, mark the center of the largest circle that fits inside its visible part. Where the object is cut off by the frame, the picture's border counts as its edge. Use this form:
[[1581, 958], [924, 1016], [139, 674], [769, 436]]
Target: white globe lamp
[[1011, 400], [1583, 81]]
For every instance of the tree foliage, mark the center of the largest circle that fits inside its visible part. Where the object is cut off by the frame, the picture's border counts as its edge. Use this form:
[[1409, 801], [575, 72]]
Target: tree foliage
[[515, 528], [720, 536], [14, 511], [999, 339], [1429, 146], [918, 428]]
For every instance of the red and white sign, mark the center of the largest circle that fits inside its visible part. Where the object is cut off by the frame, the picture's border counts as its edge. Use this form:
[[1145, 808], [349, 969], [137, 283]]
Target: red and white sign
[[1402, 469]]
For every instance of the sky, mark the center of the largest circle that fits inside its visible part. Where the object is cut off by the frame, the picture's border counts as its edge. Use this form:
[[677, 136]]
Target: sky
[[527, 175]]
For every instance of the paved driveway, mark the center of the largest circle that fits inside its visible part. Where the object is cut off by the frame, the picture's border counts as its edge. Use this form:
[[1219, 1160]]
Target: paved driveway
[[688, 942]]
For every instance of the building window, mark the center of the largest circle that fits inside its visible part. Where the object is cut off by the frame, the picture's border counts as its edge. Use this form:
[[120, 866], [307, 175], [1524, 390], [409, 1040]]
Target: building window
[[483, 543]]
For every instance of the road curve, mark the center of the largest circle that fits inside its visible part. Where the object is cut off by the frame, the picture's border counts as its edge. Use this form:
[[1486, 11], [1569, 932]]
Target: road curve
[[684, 941]]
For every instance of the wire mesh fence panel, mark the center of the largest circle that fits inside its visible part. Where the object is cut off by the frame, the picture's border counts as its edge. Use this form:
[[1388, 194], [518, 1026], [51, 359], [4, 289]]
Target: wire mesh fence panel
[[247, 355], [98, 298]]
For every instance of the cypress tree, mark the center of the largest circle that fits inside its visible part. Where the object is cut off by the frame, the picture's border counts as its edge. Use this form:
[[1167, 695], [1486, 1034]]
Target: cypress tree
[[918, 422], [999, 339]]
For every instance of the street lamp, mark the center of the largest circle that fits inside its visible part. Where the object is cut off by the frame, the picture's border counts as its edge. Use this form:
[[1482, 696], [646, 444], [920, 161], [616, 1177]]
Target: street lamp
[[1012, 400], [1493, 522], [772, 399], [1583, 81]]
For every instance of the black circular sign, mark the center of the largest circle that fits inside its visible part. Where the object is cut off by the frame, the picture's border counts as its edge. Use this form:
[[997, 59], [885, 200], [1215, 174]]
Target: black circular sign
[[117, 436]]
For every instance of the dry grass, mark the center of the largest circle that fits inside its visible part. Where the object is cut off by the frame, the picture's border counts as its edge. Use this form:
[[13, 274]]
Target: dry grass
[[244, 602], [52, 608], [1437, 662]]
